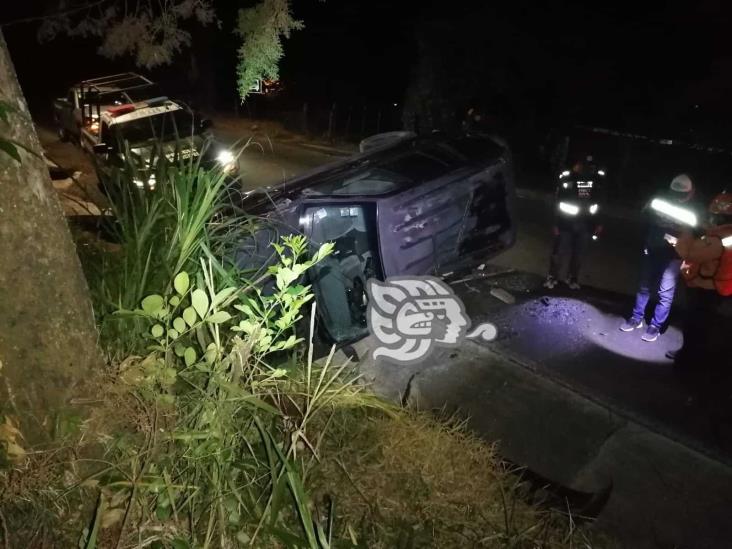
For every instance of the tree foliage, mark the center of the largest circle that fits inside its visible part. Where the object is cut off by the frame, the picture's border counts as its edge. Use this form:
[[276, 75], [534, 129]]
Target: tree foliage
[[152, 31], [262, 29], [149, 30]]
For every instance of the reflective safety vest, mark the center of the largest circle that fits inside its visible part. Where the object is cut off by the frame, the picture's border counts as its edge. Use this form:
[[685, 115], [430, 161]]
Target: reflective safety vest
[[719, 270]]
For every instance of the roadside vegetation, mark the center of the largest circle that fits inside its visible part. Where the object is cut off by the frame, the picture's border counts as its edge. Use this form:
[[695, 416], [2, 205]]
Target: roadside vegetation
[[215, 426]]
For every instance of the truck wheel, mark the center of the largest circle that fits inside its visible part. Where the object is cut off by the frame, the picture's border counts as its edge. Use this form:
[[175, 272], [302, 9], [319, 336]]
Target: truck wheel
[[63, 135]]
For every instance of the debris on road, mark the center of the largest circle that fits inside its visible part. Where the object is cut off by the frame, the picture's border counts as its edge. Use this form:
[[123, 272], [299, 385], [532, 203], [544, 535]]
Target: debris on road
[[503, 295]]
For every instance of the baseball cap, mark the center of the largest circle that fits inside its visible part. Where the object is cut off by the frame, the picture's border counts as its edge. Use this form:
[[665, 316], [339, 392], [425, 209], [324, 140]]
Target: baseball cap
[[682, 184]]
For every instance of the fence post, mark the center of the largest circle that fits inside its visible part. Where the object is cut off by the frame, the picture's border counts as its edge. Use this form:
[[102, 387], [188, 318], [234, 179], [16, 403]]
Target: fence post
[[331, 122]]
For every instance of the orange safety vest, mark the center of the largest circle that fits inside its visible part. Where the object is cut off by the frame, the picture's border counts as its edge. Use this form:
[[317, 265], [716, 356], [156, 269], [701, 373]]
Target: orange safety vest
[[722, 275]]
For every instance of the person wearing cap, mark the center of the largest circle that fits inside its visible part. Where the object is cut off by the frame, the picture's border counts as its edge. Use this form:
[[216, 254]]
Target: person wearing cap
[[669, 215], [576, 220]]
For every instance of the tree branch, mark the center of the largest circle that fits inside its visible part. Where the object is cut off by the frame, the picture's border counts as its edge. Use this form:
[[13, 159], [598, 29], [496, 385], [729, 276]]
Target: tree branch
[[55, 14]]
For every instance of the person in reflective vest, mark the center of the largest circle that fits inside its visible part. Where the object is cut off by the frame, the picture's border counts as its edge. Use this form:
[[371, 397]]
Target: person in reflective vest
[[707, 329], [576, 220], [668, 216]]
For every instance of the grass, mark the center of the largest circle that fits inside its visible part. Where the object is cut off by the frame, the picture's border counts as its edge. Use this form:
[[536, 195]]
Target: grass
[[412, 480]]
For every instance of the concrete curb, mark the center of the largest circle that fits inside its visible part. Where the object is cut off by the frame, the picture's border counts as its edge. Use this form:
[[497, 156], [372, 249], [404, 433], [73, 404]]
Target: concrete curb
[[664, 493]]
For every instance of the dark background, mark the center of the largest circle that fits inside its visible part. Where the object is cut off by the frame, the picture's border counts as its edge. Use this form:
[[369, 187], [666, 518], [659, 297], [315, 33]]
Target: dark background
[[656, 69]]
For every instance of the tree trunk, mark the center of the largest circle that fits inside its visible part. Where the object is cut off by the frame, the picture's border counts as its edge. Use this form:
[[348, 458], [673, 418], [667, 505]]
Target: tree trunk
[[48, 339]]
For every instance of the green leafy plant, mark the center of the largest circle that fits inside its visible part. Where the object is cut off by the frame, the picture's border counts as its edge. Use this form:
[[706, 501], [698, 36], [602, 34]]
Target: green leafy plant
[[232, 410], [159, 231], [262, 29]]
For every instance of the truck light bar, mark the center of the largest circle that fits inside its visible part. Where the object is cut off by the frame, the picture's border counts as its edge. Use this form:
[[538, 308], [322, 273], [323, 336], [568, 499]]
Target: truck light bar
[[570, 209], [122, 109], [154, 102], [678, 213]]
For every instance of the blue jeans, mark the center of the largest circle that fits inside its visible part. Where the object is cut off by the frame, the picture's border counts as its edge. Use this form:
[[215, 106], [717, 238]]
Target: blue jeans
[[660, 274]]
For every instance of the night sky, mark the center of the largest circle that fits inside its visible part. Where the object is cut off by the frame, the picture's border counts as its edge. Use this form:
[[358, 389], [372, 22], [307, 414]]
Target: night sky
[[653, 66]]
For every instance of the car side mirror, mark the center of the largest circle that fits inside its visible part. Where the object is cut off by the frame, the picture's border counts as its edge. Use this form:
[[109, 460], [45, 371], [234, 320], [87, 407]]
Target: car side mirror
[[101, 148]]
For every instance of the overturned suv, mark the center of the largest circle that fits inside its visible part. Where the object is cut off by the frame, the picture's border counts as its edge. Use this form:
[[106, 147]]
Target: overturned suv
[[137, 135], [408, 205]]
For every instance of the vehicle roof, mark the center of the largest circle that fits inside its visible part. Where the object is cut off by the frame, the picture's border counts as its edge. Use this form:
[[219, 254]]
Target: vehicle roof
[[115, 82], [142, 110]]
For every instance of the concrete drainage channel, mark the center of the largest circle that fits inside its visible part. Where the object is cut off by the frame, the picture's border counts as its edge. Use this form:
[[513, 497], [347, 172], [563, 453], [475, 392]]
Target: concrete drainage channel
[[652, 490]]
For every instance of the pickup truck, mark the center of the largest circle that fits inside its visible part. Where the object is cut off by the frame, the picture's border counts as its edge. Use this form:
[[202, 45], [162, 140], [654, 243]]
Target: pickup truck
[[81, 106], [138, 134]]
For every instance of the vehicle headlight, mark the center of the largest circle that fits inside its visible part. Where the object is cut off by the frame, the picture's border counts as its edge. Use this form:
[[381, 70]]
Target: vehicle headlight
[[141, 183], [593, 209], [227, 160]]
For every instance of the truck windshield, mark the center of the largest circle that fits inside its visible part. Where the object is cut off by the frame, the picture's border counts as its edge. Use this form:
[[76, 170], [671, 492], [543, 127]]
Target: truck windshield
[[165, 126]]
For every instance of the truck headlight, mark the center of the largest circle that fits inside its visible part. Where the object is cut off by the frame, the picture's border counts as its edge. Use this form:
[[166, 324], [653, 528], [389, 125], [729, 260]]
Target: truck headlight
[[227, 160], [141, 183]]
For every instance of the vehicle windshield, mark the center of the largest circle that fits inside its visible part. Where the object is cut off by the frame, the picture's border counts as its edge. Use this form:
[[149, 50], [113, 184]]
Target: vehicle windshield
[[165, 126]]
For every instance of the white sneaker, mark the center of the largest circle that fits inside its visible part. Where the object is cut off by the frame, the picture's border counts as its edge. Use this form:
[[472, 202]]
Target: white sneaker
[[573, 284], [550, 283]]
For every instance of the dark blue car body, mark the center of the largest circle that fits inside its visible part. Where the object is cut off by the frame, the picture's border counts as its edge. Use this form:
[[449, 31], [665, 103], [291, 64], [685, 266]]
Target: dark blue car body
[[415, 206]]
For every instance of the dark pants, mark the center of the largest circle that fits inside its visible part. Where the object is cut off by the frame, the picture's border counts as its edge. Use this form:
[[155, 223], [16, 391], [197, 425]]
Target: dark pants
[[659, 273], [571, 242], [704, 360]]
